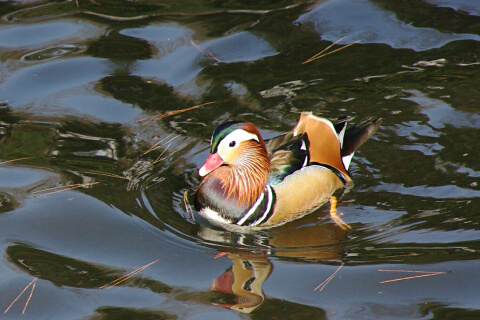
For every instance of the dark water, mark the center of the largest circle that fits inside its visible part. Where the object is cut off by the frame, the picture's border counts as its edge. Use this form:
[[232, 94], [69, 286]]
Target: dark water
[[76, 80]]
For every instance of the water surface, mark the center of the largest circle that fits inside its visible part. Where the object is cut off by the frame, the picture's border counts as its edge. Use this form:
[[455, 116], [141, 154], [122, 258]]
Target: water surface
[[78, 81]]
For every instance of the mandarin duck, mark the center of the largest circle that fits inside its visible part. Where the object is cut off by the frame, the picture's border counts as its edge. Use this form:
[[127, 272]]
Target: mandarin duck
[[251, 182]]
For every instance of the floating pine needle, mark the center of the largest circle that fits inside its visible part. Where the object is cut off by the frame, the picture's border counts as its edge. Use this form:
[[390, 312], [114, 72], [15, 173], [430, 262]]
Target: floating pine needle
[[207, 53], [173, 152], [106, 174], [95, 3], [33, 282], [421, 275], [161, 154], [322, 53], [127, 276], [13, 160], [63, 188], [157, 144], [169, 141], [159, 158], [188, 207], [29, 296], [171, 113], [322, 285]]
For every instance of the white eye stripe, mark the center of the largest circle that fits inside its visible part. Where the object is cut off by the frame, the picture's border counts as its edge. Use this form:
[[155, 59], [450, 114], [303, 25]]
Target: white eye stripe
[[238, 136], [226, 146]]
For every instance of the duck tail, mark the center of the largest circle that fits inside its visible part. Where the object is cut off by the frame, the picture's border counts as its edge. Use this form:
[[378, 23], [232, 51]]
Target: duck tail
[[356, 135]]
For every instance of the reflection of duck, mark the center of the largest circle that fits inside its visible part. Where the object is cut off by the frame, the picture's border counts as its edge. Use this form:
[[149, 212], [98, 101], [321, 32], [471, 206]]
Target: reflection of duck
[[306, 239], [244, 280], [301, 240], [256, 183]]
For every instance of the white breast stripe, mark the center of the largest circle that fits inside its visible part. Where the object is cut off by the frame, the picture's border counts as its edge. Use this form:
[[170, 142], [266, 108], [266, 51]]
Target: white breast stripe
[[213, 216], [251, 211], [269, 206]]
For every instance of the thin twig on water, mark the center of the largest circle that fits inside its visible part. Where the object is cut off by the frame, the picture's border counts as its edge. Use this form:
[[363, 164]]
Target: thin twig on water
[[33, 282], [322, 53], [30, 296], [105, 174], [62, 188], [422, 274], [171, 153], [13, 160], [188, 207], [171, 113], [207, 53], [157, 144], [161, 154], [322, 285], [127, 276], [94, 2]]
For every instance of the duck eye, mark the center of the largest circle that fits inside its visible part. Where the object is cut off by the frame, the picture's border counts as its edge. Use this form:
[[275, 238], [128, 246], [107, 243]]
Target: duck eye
[[232, 144]]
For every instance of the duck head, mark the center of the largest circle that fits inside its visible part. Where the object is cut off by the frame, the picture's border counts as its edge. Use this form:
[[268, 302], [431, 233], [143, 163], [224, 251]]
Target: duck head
[[236, 171]]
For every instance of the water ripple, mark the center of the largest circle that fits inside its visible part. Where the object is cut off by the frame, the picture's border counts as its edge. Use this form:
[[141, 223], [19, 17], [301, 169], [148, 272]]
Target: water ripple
[[439, 192], [52, 52], [472, 7], [441, 113], [44, 33], [365, 21]]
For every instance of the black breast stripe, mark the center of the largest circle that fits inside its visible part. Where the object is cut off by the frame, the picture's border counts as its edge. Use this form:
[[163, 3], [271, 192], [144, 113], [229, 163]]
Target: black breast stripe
[[261, 211]]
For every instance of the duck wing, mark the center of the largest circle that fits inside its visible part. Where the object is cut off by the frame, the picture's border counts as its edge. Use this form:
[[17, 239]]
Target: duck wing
[[288, 153], [316, 140]]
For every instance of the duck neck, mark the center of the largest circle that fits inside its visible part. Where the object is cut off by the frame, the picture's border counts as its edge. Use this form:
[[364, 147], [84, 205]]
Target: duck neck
[[247, 176]]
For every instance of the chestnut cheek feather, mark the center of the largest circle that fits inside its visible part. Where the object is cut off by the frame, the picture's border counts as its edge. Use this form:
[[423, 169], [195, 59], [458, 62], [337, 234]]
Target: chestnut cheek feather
[[213, 161]]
